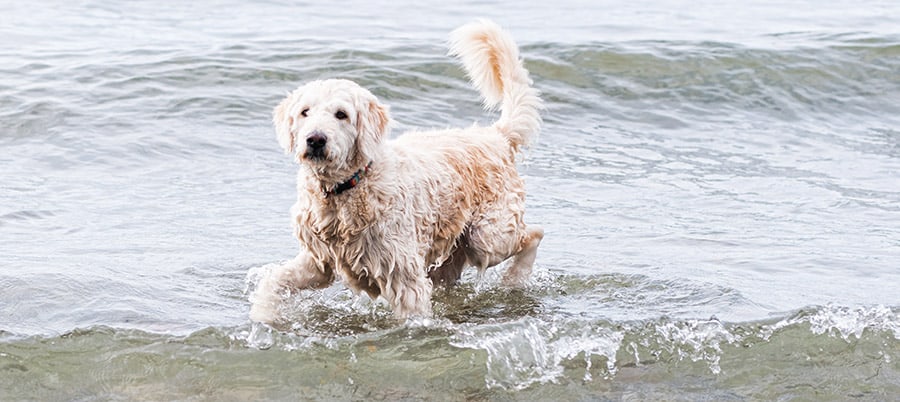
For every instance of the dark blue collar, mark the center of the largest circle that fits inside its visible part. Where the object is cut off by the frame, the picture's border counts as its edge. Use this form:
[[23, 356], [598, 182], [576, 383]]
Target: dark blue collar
[[350, 183]]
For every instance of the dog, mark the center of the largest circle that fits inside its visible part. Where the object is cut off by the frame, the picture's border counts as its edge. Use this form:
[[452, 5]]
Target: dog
[[395, 218]]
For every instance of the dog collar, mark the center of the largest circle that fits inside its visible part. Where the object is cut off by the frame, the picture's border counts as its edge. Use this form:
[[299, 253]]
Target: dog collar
[[350, 183]]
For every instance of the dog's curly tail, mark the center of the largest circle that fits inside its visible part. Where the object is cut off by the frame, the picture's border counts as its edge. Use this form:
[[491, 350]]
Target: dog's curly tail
[[491, 59]]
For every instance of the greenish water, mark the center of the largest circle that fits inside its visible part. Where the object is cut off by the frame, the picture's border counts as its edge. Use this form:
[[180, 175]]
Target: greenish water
[[718, 184], [823, 353]]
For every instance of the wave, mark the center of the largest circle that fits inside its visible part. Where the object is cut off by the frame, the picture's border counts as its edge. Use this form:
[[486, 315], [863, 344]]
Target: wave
[[484, 341], [709, 78], [523, 355], [529, 351], [835, 73]]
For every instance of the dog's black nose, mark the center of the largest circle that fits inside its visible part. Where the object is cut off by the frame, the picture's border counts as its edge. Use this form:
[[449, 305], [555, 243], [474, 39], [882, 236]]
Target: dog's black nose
[[316, 141]]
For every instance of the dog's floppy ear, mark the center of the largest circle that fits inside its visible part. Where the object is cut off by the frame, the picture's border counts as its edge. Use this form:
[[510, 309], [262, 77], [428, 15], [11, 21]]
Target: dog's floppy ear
[[372, 125], [284, 122], [372, 120]]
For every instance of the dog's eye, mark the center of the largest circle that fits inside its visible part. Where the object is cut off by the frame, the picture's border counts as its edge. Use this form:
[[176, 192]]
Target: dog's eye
[[304, 112], [340, 115]]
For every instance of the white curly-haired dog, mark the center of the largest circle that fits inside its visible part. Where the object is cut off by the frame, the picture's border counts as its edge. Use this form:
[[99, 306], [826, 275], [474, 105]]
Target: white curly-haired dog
[[395, 218]]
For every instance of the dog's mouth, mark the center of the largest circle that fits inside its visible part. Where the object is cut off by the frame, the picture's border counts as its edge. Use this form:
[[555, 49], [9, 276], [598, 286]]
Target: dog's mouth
[[315, 155]]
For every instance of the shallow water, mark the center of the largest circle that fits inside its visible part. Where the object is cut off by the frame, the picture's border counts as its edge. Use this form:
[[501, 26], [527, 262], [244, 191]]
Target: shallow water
[[718, 184]]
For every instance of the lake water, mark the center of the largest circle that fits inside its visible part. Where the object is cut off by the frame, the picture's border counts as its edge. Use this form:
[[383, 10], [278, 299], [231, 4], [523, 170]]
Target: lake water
[[719, 183]]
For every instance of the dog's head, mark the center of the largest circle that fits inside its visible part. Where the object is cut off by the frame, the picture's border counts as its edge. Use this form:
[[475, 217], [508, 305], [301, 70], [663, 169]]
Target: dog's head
[[333, 126]]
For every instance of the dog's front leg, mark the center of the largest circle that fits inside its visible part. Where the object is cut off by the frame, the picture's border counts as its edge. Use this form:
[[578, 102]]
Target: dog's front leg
[[409, 292], [300, 273]]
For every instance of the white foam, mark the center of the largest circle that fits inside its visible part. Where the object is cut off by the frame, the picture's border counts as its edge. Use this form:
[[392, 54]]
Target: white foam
[[530, 351], [853, 322], [696, 340]]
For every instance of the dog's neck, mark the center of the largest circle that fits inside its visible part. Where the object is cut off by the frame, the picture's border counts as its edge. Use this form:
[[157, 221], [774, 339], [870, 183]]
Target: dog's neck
[[347, 184]]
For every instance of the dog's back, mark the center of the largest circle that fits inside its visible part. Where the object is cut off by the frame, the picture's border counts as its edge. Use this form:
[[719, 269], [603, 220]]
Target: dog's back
[[476, 195]]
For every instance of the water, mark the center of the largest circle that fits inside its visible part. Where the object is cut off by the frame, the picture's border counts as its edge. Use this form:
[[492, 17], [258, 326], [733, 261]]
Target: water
[[719, 184]]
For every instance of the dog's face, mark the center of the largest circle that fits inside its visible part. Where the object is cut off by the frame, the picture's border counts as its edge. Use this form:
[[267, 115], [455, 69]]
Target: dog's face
[[333, 126]]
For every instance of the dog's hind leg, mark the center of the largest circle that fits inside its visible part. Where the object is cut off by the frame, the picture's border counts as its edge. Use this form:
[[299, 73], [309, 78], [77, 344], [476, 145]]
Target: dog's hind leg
[[500, 233], [451, 270], [520, 268]]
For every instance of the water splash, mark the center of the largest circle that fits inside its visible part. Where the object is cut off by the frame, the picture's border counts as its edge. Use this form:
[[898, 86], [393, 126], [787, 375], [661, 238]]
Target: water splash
[[695, 340], [521, 349], [590, 341], [529, 351], [260, 336], [848, 323]]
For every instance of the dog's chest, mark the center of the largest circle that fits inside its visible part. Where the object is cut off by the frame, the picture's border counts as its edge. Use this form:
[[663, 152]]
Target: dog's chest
[[342, 242]]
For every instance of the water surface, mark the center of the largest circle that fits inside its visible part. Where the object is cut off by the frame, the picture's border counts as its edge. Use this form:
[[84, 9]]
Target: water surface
[[718, 183]]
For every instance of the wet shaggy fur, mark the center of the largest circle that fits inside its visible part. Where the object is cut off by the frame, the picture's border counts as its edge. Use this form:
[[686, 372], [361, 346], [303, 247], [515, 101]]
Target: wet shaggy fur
[[431, 204]]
